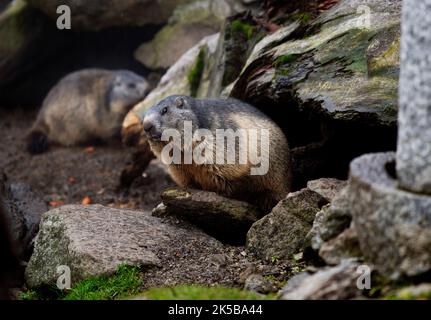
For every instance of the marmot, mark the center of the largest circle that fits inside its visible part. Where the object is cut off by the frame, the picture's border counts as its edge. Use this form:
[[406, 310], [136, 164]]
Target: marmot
[[86, 106], [232, 179]]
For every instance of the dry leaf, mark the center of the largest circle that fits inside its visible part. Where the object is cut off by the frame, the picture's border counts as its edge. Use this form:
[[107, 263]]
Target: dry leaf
[[55, 203], [90, 149], [86, 201]]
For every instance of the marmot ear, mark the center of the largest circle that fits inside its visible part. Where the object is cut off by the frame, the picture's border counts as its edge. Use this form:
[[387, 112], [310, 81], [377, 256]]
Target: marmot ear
[[180, 103]]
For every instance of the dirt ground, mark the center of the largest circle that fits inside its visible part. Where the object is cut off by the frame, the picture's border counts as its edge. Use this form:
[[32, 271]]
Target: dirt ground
[[69, 175]]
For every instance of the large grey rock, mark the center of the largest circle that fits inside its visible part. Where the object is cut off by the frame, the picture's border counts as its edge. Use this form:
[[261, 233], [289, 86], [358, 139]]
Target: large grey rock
[[393, 225], [414, 133], [187, 26], [332, 283], [226, 219], [282, 233], [347, 68], [99, 14], [94, 240]]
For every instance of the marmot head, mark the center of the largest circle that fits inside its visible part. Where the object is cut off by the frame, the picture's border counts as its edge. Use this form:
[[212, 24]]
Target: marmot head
[[126, 90], [170, 113]]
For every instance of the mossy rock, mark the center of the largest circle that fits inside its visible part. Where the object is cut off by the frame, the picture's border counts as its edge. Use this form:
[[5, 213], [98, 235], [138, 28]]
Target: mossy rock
[[21, 29], [188, 25], [337, 65]]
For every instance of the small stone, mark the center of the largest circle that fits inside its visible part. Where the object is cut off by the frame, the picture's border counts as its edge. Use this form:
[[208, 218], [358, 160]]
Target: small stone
[[282, 233], [328, 188], [258, 283], [331, 220], [331, 283], [160, 211], [344, 246]]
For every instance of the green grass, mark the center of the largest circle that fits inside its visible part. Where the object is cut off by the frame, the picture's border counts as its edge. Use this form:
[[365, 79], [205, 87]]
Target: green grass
[[244, 28], [125, 282], [195, 292], [195, 74]]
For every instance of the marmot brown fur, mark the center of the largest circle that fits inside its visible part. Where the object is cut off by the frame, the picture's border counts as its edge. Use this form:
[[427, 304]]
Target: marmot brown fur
[[85, 106], [230, 179]]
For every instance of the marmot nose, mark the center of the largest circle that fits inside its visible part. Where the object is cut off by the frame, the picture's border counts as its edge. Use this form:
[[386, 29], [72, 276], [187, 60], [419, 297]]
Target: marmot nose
[[148, 126]]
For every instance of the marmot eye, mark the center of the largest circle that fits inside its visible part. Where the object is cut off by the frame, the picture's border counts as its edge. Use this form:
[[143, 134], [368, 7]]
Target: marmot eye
[[164, 110], [132, 86]]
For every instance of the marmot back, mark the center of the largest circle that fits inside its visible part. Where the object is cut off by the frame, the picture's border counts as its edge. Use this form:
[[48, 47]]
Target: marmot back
[[245, 125], [84, 106]]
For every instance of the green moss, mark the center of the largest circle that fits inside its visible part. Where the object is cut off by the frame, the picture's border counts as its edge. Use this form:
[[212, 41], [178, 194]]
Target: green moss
[[349, 49], [282, 60], [304, 17], [195, 74], [196, 292], [125, 282], [244, 28], [176, 193]]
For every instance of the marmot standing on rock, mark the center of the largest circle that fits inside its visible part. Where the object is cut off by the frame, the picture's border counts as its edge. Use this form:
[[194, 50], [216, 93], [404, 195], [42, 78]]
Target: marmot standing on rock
[[87, 105], [237, 178]]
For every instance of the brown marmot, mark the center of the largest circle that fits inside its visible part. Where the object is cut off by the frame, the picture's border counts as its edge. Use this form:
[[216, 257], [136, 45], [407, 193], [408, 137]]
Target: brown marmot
[[236, 178], [86, 106]]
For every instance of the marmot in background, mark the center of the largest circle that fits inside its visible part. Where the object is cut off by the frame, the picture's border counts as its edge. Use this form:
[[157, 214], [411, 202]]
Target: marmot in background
[[86, 106], [233, 180]]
